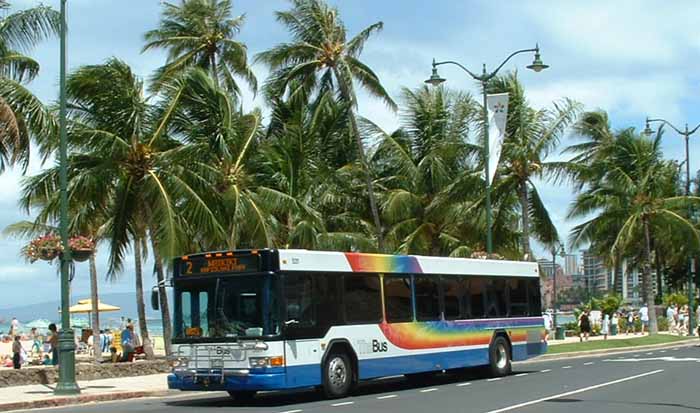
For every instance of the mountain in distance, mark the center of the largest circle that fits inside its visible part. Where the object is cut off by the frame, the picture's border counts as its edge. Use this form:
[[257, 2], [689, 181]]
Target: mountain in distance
[[49, 310]]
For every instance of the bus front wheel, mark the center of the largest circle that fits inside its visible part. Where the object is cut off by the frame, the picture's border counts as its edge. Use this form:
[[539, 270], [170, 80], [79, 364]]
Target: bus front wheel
[[337, 375], [499, 357]]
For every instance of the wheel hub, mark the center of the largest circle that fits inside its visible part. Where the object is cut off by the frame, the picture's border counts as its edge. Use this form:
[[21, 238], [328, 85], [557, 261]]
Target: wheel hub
[[337, 372]]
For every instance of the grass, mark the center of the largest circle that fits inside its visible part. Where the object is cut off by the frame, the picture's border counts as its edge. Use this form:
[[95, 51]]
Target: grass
[[611, 344]]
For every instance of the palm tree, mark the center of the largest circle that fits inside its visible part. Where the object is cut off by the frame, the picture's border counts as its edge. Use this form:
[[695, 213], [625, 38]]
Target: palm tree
[[119, 140], [531, 136], [22, 115], [421, 165], [321, 58], [634, 191], [200, 33]]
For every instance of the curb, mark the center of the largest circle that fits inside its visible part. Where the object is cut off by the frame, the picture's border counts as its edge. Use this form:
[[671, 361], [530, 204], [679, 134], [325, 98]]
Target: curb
[[80, 399], [602, 352]]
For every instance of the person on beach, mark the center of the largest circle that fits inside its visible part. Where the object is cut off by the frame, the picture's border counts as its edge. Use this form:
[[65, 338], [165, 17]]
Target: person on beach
[[14, 327], [584, 323], [615, 323], [53, 341], [16, 353]]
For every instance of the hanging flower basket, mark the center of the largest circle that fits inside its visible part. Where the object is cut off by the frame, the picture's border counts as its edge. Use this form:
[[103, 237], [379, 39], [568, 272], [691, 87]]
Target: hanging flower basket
[[45, 248], [81, 248]]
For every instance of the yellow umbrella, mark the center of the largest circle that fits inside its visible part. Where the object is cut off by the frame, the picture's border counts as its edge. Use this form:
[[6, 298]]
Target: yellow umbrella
[[85, 306]]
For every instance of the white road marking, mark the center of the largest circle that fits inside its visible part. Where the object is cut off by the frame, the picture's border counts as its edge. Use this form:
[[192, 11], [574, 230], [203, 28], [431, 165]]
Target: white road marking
[[292, 411], [545, 371], [428, 390], [588, 364], [342, 404], [649, 354], [494, 379], [676, 348], [463, 384], [569, 393], [389, 396], [665, 358], [521, 375], [662, 351], [566, 367]]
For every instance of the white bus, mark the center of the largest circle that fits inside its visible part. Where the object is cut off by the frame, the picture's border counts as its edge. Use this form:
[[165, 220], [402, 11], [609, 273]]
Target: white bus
[[251, 320]]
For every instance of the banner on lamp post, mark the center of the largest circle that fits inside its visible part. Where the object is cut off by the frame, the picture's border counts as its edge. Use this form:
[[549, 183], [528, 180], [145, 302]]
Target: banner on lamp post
[[497, 105]]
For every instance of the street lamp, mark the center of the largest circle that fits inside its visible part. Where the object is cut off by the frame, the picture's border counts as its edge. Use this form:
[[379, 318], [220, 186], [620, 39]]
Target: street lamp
[[66, 384], [686, 135], [557, 249], [484, 77]]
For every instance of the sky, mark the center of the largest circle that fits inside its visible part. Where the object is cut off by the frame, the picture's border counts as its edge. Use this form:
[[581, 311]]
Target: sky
[[628, 60]]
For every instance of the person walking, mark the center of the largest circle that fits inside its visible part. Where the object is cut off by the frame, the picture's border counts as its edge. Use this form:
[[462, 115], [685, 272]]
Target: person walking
[[605, 327], [584, 323], [16, 353], [128, 347], [630, 322], [644, 317], [671, 318], [53, 341], [615, 324]]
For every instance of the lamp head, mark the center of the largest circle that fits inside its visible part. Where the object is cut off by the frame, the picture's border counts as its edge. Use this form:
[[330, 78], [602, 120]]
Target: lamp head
[[647, 130], [435, 78], [537, 64]]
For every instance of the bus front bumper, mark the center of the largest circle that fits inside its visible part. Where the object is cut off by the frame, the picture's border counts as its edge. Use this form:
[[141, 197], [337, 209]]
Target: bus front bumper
[[262, 379]]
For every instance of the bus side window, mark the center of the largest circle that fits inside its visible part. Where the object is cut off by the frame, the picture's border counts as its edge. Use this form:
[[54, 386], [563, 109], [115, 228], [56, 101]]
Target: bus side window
[[452, 293], [476, 296], [534, 298], [397, 298], [517, 288], [298, 294], [362, 298], [427, 298], [496, 298]]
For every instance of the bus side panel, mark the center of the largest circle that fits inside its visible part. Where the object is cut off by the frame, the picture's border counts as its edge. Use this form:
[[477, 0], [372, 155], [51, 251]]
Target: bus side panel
[[441, 359], [303, 359]]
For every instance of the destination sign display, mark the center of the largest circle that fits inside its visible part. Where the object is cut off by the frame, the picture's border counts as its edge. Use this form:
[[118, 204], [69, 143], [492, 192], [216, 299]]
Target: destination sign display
[[220, 265]]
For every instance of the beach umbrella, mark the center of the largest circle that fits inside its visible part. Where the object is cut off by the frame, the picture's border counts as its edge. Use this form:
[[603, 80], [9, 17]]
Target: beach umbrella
[[85, 306]]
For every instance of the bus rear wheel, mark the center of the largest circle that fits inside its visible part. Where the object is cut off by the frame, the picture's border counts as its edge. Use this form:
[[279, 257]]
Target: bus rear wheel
[[337, 375], [242, 395], [499, 357]]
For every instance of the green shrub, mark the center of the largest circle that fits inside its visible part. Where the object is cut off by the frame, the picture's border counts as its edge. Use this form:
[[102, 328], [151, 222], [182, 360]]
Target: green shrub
[[662, 323]]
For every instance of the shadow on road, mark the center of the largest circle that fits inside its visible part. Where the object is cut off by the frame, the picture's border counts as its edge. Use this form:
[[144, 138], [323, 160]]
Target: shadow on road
[[310, 395]]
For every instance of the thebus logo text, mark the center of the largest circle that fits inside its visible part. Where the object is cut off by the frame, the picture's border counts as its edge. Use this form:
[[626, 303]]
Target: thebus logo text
[[378, 346]]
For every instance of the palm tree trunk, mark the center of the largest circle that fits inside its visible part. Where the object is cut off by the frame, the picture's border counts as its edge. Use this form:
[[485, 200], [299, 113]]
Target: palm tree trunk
[[140, 305], [94, 296], [163, 298], [657, 266], [617, 280], [214, 70], [363, 159], [525, 219], [646, 280]]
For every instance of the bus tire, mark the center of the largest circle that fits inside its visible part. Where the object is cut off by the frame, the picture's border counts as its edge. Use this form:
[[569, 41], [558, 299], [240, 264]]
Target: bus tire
[[337, 375], [242, 395], [499, 357]]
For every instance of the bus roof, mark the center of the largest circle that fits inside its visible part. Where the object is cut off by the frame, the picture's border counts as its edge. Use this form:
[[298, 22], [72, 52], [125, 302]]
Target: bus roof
[[307, 260]]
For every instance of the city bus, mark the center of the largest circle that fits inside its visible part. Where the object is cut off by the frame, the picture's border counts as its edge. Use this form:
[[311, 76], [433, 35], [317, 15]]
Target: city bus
[[271, 319]]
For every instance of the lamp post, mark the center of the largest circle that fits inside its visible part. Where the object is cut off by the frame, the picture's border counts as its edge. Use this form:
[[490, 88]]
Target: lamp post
[[686, 135], [557, 249], [66, 345], [484, 77]]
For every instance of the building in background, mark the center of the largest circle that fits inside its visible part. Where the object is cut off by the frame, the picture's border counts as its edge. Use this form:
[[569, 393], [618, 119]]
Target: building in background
[[597, 277]]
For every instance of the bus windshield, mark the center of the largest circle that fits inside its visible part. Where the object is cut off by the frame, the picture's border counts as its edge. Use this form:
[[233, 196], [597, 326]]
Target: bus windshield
[[225, 307]]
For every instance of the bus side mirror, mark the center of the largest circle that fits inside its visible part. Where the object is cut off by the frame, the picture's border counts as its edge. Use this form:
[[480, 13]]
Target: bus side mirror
[[154, 299]]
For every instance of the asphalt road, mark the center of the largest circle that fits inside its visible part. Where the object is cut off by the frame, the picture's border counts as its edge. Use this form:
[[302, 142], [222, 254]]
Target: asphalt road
[[647, 381]]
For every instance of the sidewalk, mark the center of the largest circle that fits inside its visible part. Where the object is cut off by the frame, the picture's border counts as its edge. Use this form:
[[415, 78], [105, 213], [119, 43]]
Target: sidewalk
[[39, 395], [575, 339]]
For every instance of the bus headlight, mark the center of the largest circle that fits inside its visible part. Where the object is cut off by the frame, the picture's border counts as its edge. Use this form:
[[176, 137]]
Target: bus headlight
[[178, 361], [276, 361]]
